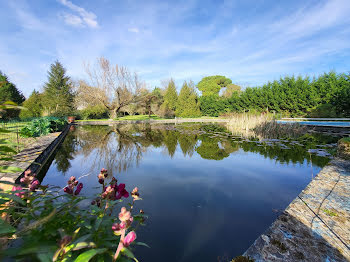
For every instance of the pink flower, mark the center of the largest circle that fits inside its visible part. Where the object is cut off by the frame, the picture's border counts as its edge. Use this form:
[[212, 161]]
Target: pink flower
[[79, 188], [129, 238], [135, 194], [19, 194], [71, 180], [68, 190], [124, 214], [34, 185]]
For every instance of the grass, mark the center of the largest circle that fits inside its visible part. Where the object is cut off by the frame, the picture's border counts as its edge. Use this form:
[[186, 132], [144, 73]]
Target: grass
[[329, 212]]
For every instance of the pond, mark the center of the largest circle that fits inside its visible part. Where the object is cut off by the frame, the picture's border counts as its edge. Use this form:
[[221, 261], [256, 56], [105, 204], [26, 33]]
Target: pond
[[208, 194], [319, 123]]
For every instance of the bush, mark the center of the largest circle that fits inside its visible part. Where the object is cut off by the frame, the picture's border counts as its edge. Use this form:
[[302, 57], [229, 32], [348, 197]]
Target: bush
[[43, 126], [323, 110], [94, 112]]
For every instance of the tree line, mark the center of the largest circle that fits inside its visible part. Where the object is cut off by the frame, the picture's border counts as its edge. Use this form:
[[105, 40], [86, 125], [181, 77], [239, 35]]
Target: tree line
[[111, 91]]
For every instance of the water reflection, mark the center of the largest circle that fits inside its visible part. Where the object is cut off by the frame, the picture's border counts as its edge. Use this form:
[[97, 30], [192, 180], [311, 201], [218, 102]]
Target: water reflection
[[120, 146], [200, 183]]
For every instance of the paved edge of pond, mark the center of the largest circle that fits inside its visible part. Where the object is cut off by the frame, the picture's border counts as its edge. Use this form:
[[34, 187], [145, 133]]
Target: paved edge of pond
[[35, 156], [316, 224], [166, 121]]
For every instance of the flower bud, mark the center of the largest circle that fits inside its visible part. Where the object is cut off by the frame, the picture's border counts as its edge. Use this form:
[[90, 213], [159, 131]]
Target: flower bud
[[129, 238]]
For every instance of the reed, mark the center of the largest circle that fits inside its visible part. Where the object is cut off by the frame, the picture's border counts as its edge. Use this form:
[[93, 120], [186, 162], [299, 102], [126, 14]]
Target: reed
[[263, 126]]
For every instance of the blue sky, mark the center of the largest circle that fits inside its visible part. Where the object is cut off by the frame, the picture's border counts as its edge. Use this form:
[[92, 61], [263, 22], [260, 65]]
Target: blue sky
[[249, 41]]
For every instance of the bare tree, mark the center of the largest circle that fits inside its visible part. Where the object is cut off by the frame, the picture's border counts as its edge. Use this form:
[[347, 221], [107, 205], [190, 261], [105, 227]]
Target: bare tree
[[112, 87]]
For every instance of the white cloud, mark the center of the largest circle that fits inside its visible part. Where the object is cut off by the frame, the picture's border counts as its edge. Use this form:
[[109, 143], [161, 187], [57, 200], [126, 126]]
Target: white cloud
[[89, 18], [133, 30], [72, 19]]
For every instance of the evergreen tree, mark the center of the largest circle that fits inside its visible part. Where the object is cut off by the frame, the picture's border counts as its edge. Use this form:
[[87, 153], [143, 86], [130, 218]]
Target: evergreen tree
[[170, 96], [9, 92], [58, 94], [187, 104], [34, 106]]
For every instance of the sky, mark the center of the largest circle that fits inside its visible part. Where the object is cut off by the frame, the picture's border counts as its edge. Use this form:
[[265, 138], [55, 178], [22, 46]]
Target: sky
[[249, 41]]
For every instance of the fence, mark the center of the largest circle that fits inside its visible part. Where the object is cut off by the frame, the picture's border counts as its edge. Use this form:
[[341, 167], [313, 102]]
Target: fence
[[14, 128]]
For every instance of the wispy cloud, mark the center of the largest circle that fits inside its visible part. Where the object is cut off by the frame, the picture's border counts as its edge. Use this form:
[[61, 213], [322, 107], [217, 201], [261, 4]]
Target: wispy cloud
[[86, 17], [133, 30], [73, 20]]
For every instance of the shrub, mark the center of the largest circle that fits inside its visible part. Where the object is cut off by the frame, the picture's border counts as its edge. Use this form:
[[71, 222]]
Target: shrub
[[94, 112], [43, 126]]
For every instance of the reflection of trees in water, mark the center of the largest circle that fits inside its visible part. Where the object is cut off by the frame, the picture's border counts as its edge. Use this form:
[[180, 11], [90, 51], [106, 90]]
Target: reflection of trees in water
[[66, 153], [120, 146]]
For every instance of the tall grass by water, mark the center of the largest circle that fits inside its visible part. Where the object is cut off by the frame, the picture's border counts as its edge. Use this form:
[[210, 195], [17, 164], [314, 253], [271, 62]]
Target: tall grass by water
[[263, 126]]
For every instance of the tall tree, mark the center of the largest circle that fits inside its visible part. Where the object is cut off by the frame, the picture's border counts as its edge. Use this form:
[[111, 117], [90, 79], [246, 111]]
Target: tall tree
[[170, 96], [58, 93], [9, 92], [211, 85], [187, 104], [114, 87], [34, 106]]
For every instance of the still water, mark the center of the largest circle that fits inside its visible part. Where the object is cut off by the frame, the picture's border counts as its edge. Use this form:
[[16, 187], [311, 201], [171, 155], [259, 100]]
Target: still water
[[208, 194]]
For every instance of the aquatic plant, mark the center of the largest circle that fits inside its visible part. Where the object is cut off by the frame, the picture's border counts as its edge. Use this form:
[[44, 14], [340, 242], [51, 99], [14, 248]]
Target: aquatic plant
[[47, 223]]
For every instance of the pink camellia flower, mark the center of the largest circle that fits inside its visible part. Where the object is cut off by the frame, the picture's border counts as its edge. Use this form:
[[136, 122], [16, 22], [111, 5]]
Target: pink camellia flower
[[129, 238], [79, 188], [34, 185], [19, 194], [124, 214]]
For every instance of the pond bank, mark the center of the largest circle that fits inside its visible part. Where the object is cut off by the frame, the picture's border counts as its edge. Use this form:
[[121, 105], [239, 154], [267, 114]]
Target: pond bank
[[35, 155], [315, 226], [151, 121]]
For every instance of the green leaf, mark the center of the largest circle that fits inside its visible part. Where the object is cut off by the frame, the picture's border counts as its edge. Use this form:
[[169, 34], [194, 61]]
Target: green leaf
[[9, 169], [6, 228], [128, 253], [142, 244], [87, 255]]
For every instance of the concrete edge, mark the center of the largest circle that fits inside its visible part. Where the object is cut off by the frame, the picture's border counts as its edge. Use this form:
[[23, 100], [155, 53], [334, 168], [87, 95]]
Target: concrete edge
[[167, 121], [42, 159]]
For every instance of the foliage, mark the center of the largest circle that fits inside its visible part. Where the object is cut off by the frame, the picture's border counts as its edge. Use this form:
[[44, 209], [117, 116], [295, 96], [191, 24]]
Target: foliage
[[58, 96], [296, 96], [34, 106], [47, 224], [9, 92], [187, 104], [43, 126], [170, 96], [94, 112], [230, 89], [212, 105], [211, 85]]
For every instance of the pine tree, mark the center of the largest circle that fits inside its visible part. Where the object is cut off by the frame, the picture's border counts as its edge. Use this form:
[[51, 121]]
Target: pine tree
[[170, 96], [187, 104], [58, 94]]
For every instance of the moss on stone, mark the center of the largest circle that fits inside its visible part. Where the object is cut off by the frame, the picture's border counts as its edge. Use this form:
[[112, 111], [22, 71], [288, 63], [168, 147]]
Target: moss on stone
[[344, 148], [242, 259]]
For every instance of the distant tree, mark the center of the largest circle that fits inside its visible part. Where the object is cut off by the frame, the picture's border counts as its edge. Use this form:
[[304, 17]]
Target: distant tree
[[187, 104], [58, 93], [341, 98], [212, 105], [34, 106], [170, 96], [230, 89], [211, 85], [9, 92], [113, 87]]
